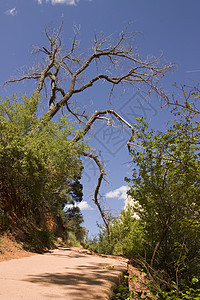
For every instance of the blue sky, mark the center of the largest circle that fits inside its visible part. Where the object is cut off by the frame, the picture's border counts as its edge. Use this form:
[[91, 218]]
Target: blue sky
[[171, 27]]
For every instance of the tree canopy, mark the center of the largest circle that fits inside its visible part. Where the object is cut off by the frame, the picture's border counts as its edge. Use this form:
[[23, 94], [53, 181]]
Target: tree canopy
[[166, 185], [162, 228], [64, 71], [39, 169]]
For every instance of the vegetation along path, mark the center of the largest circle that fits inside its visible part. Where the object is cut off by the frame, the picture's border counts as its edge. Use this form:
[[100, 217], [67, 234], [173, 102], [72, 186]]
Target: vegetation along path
[[64, 273]]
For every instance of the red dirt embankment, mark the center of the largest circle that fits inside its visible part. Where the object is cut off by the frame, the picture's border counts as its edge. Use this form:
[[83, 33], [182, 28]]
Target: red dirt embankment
[[10, 249]]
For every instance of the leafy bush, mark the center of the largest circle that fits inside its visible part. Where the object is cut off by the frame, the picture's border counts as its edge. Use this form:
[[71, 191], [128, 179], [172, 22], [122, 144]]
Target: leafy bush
[[73, 239], [183, 292], [165, 186], [39, 240], [122, 292], [38, 163], [126, 237]]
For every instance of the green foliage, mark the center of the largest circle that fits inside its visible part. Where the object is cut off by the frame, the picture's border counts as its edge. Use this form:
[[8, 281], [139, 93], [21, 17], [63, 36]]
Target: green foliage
[[100, 242], [75, 190], [122, 291], [37, 161], [73, 220], [40, 240], [165, 187], [126, 236], [165, 184], [73, 239], [184, 292]]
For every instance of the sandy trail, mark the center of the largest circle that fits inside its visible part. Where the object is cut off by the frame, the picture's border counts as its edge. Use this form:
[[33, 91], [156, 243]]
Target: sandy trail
[[64, 273]]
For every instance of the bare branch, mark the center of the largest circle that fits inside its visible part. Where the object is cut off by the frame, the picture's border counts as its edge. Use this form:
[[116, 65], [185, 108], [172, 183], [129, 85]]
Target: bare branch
[[188, 97], [65, 73], [97, 115], [22, 78], [68, 67], [96, 193]]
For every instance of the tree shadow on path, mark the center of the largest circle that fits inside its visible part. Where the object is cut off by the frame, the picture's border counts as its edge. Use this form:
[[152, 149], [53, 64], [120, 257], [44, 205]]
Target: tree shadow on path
[[85, 282]]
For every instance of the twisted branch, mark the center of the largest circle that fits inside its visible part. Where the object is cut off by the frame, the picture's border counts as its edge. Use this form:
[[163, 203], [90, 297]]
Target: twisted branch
[[64, 68], [97, 115], [62, 71]]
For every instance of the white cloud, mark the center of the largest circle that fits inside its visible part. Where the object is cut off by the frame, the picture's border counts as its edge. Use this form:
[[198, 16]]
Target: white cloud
[[67, 2], [11, 12], [120, 193], [82, 205]]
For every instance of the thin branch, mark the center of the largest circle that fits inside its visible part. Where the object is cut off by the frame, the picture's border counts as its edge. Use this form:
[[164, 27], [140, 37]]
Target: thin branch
[[122, 51], [62, 70], [32, 76], [96, 193], [188, 98], [95, 116]]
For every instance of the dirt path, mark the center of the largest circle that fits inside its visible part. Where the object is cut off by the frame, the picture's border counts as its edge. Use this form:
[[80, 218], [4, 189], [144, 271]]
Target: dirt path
[[65, 273]]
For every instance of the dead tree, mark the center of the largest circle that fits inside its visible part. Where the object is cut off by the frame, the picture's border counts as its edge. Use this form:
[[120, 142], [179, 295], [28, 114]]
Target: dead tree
[[186, 97], [65, 73]]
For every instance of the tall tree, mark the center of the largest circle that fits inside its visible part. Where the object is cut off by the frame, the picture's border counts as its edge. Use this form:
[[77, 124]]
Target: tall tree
[[166, 184], [63, 73]]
